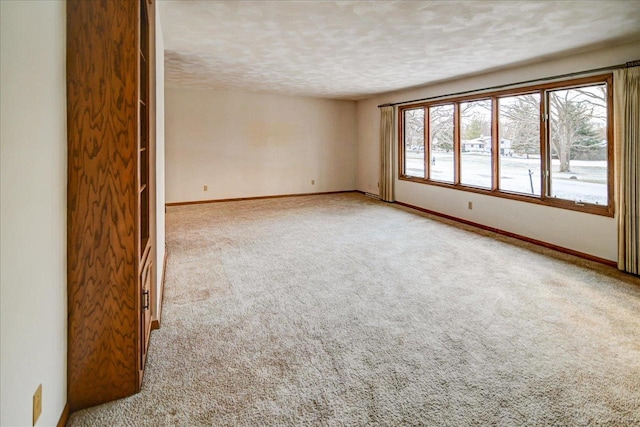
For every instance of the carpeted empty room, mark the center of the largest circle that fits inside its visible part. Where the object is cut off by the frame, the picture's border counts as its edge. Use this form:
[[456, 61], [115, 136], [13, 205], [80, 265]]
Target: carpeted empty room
[[344, 310]]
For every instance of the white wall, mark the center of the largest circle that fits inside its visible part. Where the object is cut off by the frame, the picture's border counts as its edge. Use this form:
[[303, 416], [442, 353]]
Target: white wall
[[159, 154], [244, 144], [33, 210], [591, 234]]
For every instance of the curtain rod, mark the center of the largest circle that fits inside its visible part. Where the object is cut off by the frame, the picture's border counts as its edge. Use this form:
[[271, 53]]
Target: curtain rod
[[466, 92]]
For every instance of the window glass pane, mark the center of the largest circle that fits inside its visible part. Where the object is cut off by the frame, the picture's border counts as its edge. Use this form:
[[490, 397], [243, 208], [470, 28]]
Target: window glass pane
[[578, 142], [475, 128], [414, 142], [519, 150], [441, 129]]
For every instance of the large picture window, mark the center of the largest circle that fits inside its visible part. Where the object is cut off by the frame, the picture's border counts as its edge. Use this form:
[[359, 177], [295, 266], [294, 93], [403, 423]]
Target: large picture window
[[519, 158], [441, 143], [578, 144], [476, 143], [414, 142], [549, 144]]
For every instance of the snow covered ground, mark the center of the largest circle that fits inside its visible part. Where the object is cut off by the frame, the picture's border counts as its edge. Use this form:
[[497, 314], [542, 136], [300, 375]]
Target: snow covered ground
[[587, 181]]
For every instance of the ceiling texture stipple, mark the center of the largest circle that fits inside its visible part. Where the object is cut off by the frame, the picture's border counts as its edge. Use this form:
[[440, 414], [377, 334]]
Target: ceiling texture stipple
[[355, 49]]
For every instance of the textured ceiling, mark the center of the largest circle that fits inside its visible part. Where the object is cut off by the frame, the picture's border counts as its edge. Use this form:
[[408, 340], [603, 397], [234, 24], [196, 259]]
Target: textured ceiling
[[354, 49]]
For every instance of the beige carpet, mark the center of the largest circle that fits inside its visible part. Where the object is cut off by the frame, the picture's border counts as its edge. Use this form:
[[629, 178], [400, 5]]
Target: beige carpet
[[340, 310]]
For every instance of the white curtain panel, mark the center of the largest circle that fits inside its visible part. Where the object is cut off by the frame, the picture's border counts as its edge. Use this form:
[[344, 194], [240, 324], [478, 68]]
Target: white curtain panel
[[627, 131], [387, 154]]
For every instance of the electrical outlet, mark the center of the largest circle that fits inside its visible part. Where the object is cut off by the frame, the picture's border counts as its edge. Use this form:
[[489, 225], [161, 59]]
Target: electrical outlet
[[470, 205], [37, 404], [206, 188], [313, 182]]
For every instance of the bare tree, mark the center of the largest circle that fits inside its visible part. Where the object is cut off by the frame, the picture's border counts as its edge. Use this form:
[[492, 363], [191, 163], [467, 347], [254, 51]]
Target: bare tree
[[441, 126], [573, 115], [475, 118], [520, 123], [414, 127]]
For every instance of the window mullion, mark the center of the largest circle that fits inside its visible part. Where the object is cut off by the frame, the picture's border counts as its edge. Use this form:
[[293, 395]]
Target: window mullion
[[425, 138], [401, 144], [456, 142], [545, 149], [611, 148], [495, 144]]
